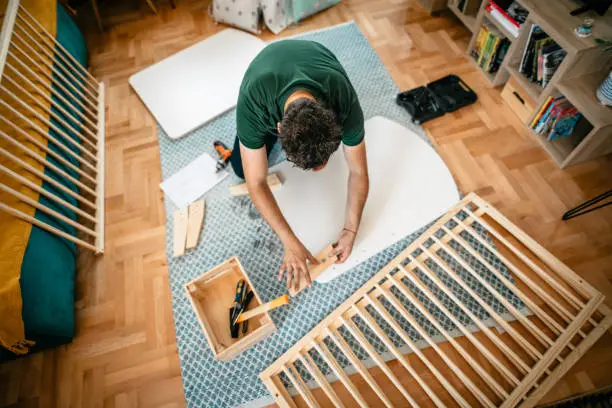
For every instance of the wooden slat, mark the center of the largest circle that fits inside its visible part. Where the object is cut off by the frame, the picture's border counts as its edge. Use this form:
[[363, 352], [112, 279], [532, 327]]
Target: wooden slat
[[46, 227], [362, 312], [466, 332], [47, 210], [46, 178], [356, 333], [391, 298], [54, 43], [299, 385], [355, 362], [339, 372], [49, 195], [42, 160], [180, 231], [59, 107], [194, 225], [416, 350], [312, 368], [498, 389]]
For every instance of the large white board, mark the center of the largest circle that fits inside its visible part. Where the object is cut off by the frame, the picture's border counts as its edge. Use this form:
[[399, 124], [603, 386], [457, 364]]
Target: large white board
[[409, 186], [195, 85]]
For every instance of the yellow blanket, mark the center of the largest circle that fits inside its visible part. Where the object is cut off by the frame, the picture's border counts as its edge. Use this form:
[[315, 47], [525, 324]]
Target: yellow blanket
[[15, 233]]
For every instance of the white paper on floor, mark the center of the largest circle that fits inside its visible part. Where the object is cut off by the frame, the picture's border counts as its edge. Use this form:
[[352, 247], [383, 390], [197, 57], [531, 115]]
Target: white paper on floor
[[410, 186], [193, 86], [192, 181]]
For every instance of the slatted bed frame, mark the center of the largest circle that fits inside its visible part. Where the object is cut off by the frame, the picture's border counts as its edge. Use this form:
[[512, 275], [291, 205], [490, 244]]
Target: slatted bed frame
[[33, 67], [513, 365]]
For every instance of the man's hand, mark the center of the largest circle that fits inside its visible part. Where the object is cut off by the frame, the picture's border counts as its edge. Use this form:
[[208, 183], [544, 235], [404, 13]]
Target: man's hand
[[295, 264], [343, 248]]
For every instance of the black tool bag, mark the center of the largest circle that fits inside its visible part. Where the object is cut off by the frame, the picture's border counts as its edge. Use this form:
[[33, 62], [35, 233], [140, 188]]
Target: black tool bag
[[436, 98]]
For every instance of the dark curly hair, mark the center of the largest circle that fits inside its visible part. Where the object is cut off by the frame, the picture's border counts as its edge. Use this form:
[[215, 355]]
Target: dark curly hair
[[309, 133]]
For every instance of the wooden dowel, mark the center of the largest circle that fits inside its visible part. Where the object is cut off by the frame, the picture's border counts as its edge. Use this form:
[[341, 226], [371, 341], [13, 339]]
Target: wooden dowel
[[47, 85], [47, 122], [528, 347], [52, 79], [79, 136], [300, 387], [46, 210], [361, 369], [416, 350], [518, 362], [494, 385], [362, 312], [423, 333], [44, 226], [356, 333], [45, 193], [53, 103], [314, 371], [52, 67], [52, 57], [56, 43], [549, 279], [466, 332], [47, 135], [48, 179], [339, 372], [545, 317], [42, 160], [528, 324], [516, 270]]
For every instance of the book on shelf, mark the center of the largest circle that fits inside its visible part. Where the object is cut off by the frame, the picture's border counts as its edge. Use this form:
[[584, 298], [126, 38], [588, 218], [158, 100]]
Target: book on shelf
[[541, 57], [498, 14], [490, 48], [556, 118]]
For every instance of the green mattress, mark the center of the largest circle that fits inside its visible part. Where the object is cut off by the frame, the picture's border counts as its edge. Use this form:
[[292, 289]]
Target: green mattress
[[49, 264]]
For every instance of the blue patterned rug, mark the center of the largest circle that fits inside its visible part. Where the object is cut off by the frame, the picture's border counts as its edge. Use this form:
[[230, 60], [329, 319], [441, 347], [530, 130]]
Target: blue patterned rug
[[234, 227]]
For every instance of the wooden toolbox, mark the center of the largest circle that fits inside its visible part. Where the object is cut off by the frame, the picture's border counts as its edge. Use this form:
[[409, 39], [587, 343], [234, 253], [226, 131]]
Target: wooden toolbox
[[212, 295]]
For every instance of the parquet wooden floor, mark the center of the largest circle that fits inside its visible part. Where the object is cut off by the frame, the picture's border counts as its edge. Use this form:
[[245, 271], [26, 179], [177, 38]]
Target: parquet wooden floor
[[125, 354]]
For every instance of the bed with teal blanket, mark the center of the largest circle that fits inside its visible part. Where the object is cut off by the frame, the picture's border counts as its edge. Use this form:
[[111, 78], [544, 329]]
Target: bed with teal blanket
[[49, 265]]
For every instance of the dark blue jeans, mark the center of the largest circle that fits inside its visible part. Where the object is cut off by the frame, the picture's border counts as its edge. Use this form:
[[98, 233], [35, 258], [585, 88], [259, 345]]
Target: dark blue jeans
[[236, 159]]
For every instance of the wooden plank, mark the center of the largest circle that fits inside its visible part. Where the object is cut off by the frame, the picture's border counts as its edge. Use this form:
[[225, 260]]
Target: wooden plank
[[197, 210], [241, 189], [180, 231], [325, 260], [278, 302]]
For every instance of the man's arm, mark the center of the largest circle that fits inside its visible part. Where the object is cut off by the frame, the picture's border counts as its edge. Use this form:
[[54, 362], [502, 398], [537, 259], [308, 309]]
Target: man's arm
[[358, 188], [296, 257]]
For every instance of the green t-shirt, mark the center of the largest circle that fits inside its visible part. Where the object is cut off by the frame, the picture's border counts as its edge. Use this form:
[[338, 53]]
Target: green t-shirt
[[283, 68]]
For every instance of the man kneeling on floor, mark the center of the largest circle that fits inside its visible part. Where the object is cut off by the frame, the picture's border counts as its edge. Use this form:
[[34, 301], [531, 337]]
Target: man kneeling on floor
[[298, 92]]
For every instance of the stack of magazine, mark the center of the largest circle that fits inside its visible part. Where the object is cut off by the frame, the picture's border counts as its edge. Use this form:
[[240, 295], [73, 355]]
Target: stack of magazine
[[557, 118]]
